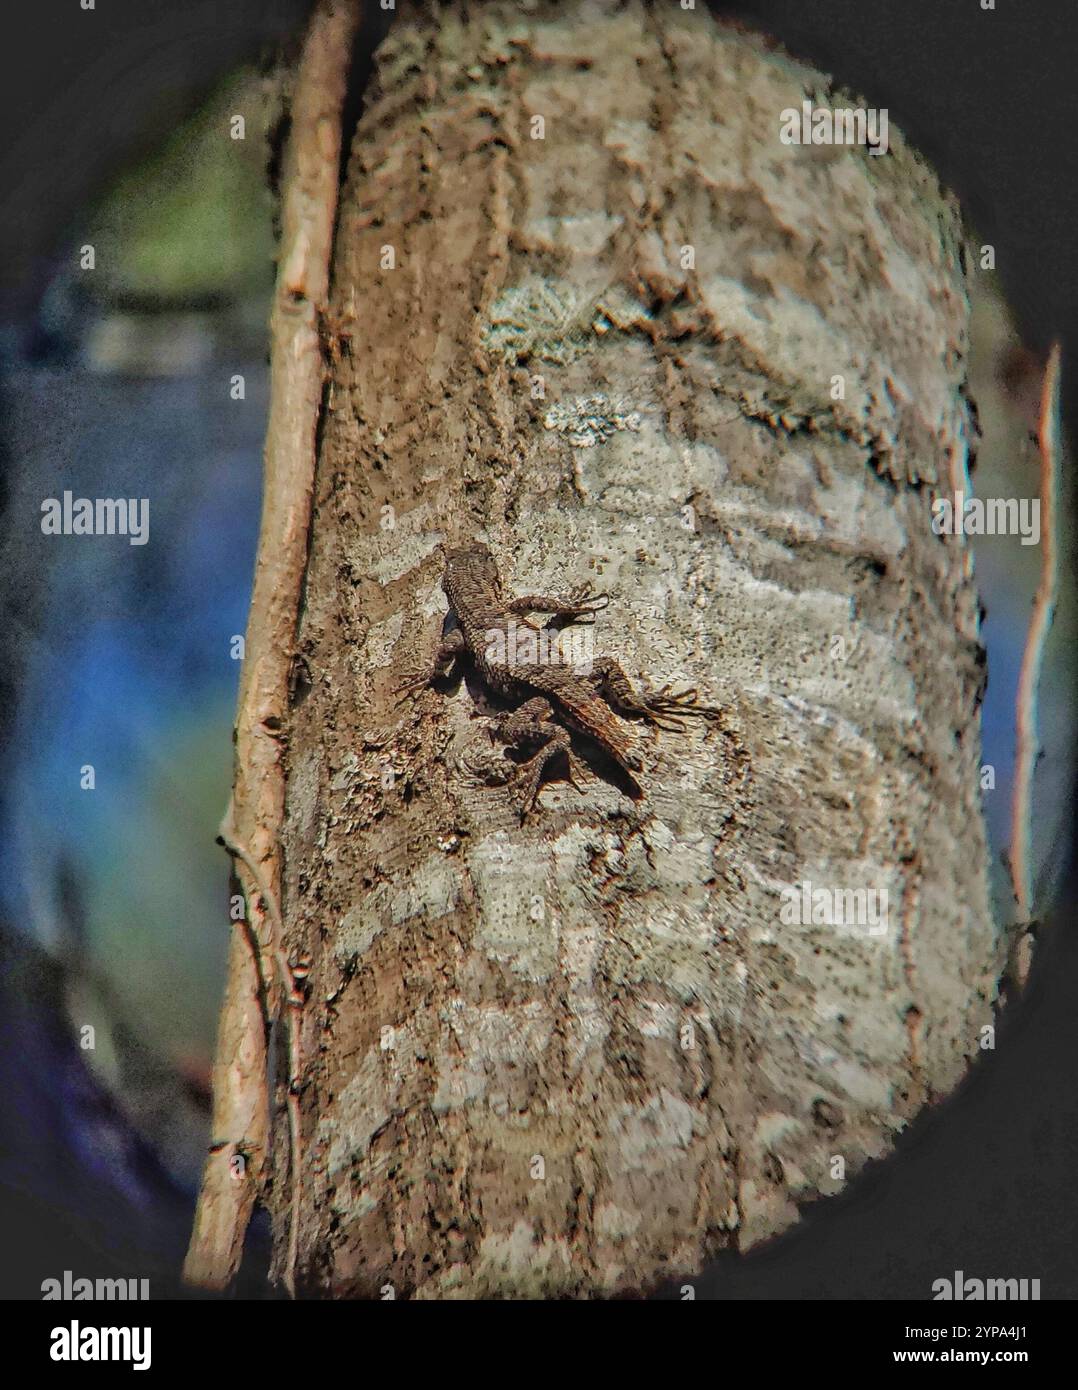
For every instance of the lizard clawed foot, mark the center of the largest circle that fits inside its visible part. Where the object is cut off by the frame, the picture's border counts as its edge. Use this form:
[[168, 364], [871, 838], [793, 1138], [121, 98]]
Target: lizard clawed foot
[[580, 604], [664, 709], [531, 773], [449, 649], [585, 602]]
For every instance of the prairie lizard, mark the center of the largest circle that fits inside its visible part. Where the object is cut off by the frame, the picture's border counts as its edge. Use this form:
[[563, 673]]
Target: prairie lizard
[[583, 697]]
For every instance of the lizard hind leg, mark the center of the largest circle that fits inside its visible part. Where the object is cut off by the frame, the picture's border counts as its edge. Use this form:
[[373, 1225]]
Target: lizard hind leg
[[533, 723], [662, 708]]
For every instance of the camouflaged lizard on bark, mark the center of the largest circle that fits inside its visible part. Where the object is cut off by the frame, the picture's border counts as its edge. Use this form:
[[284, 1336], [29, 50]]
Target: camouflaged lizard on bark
[[582, 696]]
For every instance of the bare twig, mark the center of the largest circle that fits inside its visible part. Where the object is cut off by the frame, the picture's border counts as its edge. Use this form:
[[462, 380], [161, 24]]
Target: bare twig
[[1040, 622], [241, 1120]]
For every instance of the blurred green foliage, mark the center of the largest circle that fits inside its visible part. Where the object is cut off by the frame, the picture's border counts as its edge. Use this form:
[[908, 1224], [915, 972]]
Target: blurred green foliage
[[194, 220]]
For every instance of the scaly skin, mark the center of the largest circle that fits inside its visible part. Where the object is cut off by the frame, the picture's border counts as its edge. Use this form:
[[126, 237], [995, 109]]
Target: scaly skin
[[554, 692]]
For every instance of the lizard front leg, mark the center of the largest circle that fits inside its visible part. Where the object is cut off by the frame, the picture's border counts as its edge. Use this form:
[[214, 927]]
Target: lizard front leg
[[450, 648], [581, 602], [662, 708]]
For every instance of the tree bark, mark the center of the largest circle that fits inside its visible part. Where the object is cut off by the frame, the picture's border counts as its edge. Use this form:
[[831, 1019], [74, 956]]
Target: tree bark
[[583, 1054]]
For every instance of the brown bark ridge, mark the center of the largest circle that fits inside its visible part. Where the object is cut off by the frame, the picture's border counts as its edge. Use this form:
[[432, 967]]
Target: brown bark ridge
[[583, 1054]]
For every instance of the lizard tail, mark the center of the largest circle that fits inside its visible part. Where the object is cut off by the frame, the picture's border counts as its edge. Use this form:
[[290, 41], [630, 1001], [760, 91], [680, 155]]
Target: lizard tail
[[595, 719]]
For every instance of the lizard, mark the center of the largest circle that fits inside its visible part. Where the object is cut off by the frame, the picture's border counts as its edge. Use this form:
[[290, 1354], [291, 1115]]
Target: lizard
[[587, 699]]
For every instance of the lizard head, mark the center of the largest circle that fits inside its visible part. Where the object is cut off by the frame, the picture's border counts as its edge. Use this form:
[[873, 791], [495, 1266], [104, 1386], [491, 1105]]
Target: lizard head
[[470, 565]]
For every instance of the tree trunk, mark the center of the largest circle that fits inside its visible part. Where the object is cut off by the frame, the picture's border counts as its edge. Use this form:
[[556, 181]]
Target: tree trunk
[[591, 310]]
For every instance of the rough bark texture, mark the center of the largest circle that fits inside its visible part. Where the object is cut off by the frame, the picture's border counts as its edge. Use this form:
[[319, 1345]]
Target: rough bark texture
[[610, 988]]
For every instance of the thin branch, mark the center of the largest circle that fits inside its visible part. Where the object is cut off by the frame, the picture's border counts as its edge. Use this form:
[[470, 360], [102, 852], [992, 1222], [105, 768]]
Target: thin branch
[[1040, 622], [241, 1118]]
